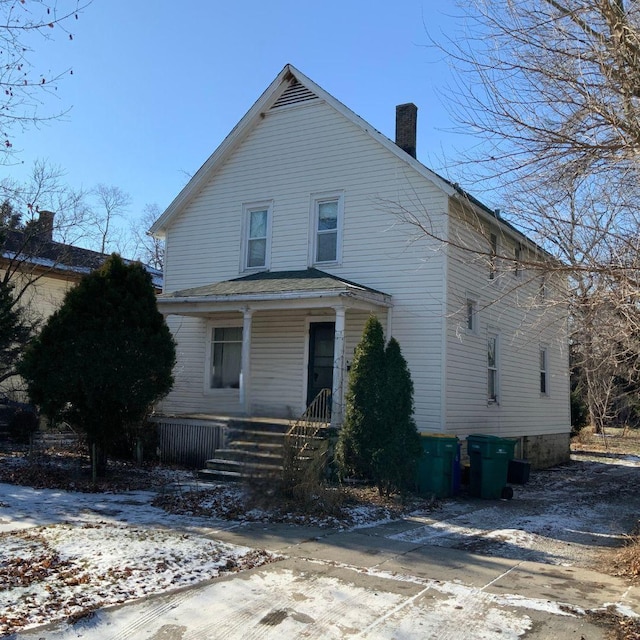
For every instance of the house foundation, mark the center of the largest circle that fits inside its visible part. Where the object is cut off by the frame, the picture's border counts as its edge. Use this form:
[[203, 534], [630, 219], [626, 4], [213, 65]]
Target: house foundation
[[544, 451]]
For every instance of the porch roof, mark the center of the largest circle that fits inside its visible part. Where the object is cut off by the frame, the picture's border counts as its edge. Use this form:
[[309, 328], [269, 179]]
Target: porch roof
[[272, 290]]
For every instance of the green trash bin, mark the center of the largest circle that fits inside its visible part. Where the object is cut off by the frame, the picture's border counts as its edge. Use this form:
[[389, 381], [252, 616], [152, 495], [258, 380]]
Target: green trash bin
[[435, 467], [489, 457]]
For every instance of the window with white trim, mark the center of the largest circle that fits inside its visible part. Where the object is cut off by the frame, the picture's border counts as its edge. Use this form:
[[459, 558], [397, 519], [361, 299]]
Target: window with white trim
[[544, 380], [225, 357], [327, 228], [492, 368], [257, 235]]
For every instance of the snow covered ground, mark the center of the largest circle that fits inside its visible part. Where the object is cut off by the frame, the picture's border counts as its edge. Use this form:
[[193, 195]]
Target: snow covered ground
[[65, 554]]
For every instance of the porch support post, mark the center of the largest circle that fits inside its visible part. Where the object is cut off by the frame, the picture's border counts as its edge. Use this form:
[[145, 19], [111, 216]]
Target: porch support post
[[245, 373], [337, 393]]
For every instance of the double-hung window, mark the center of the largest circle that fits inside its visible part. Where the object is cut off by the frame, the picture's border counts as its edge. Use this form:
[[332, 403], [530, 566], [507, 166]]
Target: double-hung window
[[225, 358], [257, 235], [327, 227], [492, 368], [544, 382]]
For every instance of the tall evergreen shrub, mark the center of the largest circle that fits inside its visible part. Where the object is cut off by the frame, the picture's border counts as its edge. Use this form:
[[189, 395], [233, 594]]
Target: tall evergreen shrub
[[362, 432], [379, 440], [104, 357], [395, 463]]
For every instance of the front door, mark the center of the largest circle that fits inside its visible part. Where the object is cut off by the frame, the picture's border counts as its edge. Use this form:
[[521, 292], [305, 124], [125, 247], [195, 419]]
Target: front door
[[320, 372]]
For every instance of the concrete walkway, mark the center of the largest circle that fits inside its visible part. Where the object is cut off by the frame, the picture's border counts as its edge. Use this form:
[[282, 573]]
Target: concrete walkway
[[363, 584]]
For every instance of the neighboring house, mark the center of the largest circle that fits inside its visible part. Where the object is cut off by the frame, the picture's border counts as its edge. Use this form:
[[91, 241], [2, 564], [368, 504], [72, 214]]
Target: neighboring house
[[303, 222], [43, 270]]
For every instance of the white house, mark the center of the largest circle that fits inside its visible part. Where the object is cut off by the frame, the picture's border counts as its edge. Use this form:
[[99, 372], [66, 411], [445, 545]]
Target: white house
[[304, 222]]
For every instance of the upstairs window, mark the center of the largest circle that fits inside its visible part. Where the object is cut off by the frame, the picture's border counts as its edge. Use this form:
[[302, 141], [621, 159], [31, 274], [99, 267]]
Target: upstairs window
[[257, 235], [543, 372], [327, 226]]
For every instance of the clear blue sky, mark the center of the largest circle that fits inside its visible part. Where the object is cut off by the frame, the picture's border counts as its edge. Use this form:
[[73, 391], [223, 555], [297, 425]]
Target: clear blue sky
[[158, 84]]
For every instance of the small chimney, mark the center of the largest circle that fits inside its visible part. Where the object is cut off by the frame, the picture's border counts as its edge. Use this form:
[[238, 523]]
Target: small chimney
[[406, 127], [45, 225]]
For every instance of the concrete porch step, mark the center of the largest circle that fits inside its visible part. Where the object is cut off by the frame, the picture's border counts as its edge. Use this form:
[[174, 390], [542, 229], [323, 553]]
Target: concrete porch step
[[256, 435], [254, 448], [246, 457]]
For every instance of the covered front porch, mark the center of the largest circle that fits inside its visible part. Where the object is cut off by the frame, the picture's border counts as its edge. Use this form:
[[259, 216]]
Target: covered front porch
[[266, 344]]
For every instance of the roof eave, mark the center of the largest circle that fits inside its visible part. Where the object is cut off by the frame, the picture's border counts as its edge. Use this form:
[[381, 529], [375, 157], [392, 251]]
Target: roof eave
[[170, 304], [235, 136]]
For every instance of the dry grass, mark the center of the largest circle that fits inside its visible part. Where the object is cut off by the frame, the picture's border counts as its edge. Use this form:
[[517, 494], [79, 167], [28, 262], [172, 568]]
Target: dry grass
[[624, 562], [614, 441]]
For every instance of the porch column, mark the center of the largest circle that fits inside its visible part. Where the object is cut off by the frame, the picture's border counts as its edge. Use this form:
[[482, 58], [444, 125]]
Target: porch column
[[337, 393], [245, 372], [388, 334]]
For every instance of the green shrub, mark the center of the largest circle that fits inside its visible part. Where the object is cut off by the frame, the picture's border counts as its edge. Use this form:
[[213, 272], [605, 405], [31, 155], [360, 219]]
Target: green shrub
[[379, 440]]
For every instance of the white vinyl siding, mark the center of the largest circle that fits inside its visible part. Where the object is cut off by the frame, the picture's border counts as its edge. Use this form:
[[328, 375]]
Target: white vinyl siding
[[188, 395], [524, 324], [294, 155]]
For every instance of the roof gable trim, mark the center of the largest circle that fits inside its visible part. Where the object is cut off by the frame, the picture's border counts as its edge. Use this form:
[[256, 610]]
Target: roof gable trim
[[293, 87]]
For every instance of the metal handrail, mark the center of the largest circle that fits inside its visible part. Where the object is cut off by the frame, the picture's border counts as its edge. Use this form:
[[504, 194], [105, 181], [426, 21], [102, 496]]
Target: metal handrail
[[315, 417]]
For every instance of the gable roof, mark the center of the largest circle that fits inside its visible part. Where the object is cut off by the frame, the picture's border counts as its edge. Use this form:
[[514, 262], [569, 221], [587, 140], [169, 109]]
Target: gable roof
[[289, 87], [37, 250]]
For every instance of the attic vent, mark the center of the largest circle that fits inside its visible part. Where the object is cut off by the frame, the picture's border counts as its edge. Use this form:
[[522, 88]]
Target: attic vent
[[294, 94]]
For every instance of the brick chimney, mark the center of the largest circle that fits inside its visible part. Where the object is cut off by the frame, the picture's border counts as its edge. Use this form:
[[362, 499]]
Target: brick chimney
[[45, 225], [406, 127]]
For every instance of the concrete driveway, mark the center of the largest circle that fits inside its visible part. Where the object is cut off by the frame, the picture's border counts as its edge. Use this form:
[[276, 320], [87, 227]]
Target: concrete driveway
[[365, 585], [472, 569]]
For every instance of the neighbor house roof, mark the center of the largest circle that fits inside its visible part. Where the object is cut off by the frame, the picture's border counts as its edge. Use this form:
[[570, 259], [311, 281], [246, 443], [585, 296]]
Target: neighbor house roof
[[37, 250]]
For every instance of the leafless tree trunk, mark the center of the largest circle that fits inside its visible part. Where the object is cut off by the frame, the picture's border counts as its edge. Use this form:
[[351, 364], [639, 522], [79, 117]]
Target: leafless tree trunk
[[111, 205], [149, 249]]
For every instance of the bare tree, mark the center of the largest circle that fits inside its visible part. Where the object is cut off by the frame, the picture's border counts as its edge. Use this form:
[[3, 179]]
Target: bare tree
[[111, 206], [25, 87], [46, 190], [553, 89], [149, 249]]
